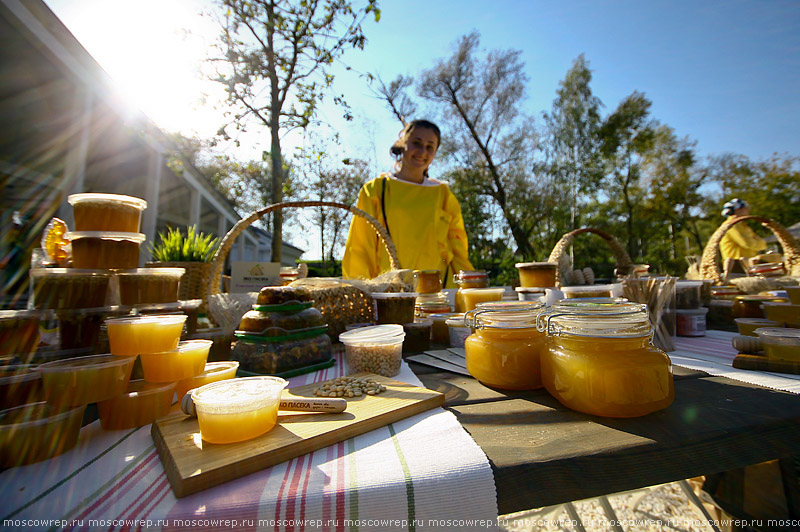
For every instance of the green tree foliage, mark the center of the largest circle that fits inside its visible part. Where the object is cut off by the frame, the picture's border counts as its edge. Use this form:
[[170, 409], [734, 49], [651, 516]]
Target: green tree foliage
[[274, 65]]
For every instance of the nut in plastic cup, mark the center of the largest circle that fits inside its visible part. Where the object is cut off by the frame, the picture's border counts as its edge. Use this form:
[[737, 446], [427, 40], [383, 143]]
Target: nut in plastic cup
[[376, 349], [236, 410]]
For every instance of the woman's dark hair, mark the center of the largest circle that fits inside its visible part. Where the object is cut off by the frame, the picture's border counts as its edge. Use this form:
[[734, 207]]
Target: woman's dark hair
[[399, 146]]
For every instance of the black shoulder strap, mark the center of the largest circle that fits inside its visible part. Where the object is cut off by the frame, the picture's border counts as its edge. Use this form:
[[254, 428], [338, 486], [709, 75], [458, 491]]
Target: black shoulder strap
[[383, 206]]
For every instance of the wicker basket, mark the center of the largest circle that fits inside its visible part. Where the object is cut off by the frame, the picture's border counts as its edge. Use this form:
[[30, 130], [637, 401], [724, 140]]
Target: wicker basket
[[624, 263], [340, 301], [709, 267]]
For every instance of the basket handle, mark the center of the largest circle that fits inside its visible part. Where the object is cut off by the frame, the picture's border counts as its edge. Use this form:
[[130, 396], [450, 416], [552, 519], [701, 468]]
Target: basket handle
[[624, 262], [709, 269], [227, 242]]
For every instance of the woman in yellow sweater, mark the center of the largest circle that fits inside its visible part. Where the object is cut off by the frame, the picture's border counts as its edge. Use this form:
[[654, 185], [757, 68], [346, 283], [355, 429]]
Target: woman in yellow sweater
[[422, 215], [739, 242]]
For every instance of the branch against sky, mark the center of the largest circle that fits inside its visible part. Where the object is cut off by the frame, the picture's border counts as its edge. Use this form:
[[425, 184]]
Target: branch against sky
[[275, 66]]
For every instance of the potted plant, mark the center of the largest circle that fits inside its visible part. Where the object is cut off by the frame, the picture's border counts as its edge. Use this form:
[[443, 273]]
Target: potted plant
[[192, 251]]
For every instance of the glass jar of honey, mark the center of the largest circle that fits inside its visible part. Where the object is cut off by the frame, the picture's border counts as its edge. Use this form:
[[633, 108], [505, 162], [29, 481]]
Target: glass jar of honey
[[751, 306], [600, 360], [468, 279], [504, 350], [428, 281]]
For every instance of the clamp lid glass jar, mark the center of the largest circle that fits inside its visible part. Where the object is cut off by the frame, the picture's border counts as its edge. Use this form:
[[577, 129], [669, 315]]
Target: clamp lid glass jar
[[505, 348], [601, 362]]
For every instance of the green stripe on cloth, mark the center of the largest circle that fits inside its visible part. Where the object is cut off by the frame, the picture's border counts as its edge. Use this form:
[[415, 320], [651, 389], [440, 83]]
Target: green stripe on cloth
[[67, 478], [104, 488], [412, 513], [352, 484]]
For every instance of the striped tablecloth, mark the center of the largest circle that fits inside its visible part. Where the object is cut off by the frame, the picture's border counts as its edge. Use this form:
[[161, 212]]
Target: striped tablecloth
[[422, 473], [714, 354]]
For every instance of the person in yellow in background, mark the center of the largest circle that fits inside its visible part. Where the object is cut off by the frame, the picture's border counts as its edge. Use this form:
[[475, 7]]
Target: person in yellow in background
[[421, 214], [739, 242]]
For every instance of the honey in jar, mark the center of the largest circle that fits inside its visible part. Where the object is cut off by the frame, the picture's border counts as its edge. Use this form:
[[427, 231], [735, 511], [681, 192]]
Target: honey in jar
[[187, 360], [602, 362], [428, 281], [537, 274], [140, 404], [143, 335], [237, 409], [472, 297], [107, 212], [750, 306], [465, 279], [105, 250], [505, 349]]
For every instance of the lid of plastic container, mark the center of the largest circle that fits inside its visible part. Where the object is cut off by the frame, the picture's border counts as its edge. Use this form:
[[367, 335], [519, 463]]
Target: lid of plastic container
[[162, 319], [374, 332], [69, 272], [758, 321], [470, 274], [84, 312], [586, 288], [484, 289], [89, 363], [153, 272], [188, 345], [782, 335], [141, 387], [106, 235], [272, 335], [115, 198], [19, 314], [393, 295], [239, 395], [530, 290], [542, 265], [18, 373], [216, 367], [688, 283]]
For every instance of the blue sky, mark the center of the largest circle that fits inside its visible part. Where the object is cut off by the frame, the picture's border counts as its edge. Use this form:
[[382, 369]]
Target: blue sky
[[724, 73]]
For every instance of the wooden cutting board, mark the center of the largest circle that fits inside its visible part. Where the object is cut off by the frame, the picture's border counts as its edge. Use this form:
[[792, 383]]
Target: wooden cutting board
[[193, 465]]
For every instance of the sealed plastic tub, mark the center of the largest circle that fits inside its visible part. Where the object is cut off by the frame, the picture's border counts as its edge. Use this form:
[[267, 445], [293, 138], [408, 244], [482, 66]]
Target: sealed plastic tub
[[149, 285], [105, 249], [67, 288], [376, 349], [688, 294], [691, 322], [780, 343], [394, 307], [269, 355], [237, 409], [19, 332], [418, 335], [19, 384], [587, 291], [537, 274], [142, 335], [107, 212], [185, 361], [140, 404], [37, 431], [84, 380], [212, 372], [472, 297], [748, 326]]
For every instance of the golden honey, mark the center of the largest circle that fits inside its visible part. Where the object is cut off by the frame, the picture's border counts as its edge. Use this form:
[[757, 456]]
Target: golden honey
[[107, 212], [505, 349], [241, 426], [140, 404], [212, 372], [611, 377], [428, 281], [466, 279], [84, 380], [780, 343], [472, 297], [105, 250], [187, 360], [143, 335], [537, 274], [37, 431]]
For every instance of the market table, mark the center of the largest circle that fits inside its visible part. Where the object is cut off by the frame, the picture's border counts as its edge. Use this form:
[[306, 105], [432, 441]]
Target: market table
[[544, 454]]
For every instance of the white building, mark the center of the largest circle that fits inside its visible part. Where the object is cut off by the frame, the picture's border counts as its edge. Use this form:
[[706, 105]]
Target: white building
[[63, 130]]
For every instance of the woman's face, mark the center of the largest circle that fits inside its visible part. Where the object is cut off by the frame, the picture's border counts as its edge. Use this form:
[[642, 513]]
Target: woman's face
[[420, 149]]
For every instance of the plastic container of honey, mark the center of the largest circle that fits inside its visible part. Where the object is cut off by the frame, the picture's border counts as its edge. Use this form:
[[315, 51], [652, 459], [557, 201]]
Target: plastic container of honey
[[688, 294], [785, 313], [212, 372], [537, 274], [149, 285], [440, 332], [748, 326], [237, 409], [418, 335], [601, 361], [185, 361], [107, 212], [84, 380], [19, 384], [394, 307], [377, 349], [144, 335], [37, 431], [19, 332], [780, 343], [587, 291], [82, 328], [67, 288], [750, 306], [140, 404], [505, 348], [472, 297], [465, 279], [428, 281], [105, 249]]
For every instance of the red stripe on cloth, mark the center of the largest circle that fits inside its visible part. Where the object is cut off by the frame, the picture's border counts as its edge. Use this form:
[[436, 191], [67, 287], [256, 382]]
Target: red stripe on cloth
[[291, 496], [279, 497], [340, 486], [117, 491], [164, 492], [304, 492], [327, 489], [137, 511]]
